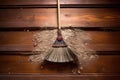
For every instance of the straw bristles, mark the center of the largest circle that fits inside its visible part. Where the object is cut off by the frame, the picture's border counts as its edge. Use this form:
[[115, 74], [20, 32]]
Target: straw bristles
[[61, 54]]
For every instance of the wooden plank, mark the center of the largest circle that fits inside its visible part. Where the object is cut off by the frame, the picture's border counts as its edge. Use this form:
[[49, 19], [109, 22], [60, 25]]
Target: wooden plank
[[58, 77], [16, 64], [109, 40], [22, 2], [79, 17], [23, 41], [104, 37], [16, 41]]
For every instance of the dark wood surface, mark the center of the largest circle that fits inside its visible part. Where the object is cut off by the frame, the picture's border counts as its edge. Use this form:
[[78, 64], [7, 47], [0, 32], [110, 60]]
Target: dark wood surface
[[16, 64], [59, 77], [23, 41], [21, 19], [78, 17]]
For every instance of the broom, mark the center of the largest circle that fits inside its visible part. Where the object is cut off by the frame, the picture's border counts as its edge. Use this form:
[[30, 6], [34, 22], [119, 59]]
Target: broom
[[60, 52]]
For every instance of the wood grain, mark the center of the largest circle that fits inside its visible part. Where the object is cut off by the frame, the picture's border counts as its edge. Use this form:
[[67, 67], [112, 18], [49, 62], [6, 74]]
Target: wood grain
[[16, 41], [78, 17], [23, 41], [16, 64], [58, 77], [23, 15], [22, 2]]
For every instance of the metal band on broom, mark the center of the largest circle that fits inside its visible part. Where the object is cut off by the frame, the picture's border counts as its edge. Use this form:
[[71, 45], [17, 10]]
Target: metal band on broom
[[60, 52]]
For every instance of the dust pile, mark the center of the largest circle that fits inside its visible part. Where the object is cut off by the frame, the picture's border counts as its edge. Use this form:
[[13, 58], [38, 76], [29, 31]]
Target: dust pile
[[76, 39]]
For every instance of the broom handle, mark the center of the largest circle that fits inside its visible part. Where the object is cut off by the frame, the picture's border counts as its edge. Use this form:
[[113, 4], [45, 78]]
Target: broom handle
[[58, 15]]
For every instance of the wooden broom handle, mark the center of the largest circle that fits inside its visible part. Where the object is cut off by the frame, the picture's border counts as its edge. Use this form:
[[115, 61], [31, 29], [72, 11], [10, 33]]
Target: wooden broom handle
[[58, 15]]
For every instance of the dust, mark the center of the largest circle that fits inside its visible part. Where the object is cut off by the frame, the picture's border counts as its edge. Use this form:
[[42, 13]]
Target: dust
[[76, 39]]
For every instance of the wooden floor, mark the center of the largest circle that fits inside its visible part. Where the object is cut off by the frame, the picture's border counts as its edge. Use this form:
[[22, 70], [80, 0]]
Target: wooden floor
[[21, 19]]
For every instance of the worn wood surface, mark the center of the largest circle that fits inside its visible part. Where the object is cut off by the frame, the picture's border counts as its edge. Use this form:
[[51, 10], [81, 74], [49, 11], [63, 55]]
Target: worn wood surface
[[15, 64], [20, 16], [23, 41], [78, 17]]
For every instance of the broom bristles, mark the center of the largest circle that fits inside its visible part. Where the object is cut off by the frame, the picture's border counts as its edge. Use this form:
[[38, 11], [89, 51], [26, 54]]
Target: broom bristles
[[60, 54]]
